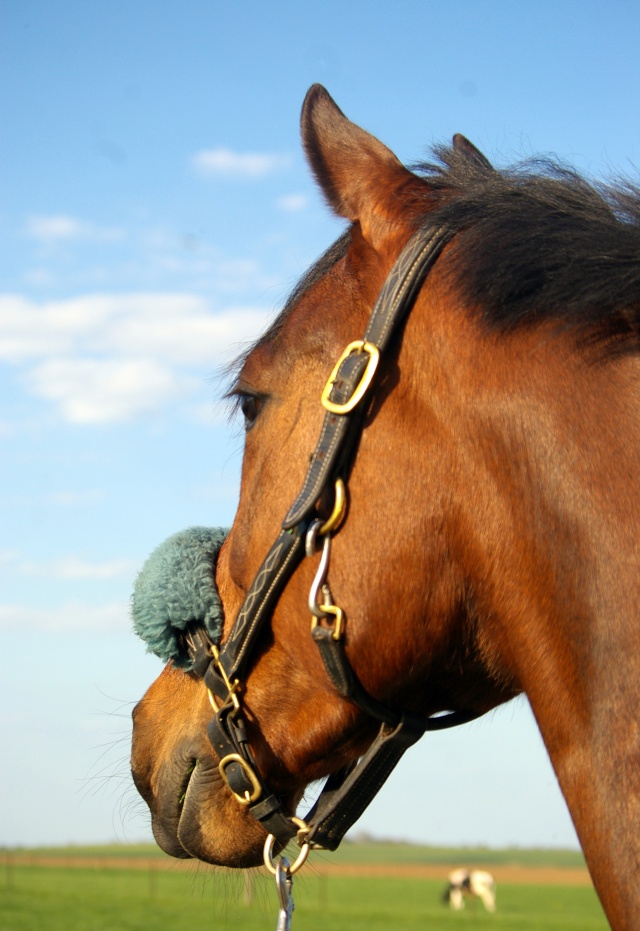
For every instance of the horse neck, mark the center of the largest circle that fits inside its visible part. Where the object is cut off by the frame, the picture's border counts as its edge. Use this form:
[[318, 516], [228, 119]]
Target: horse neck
[[549, 446]]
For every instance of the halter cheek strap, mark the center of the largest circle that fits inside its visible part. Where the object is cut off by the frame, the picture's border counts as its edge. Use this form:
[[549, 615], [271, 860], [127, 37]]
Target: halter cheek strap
[[347, 792], [348, 384], [355, 371]]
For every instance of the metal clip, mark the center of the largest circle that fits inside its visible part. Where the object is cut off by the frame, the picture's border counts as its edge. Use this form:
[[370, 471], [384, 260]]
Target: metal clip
[[284, 885], [311, 546], [320, 599]]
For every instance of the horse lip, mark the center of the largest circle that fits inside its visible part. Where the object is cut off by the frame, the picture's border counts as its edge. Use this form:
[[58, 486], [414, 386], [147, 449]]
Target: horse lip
[[168, 810], [192, 783], [195, 812], [200, 778]]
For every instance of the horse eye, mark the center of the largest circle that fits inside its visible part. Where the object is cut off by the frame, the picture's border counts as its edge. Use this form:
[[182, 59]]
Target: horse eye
[[250, 405]]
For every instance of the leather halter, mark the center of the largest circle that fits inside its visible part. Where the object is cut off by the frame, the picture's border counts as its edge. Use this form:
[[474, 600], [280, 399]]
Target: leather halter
[[348, 792]]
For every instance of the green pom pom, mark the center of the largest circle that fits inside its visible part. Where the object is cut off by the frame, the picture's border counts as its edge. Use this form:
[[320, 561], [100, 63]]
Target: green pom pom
[[176, 589]]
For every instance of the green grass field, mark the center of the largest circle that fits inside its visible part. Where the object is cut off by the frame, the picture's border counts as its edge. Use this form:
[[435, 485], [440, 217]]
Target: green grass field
[[190, 897]]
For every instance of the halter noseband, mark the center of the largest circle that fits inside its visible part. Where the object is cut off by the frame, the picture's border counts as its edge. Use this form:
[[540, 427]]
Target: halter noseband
[[346, 793]]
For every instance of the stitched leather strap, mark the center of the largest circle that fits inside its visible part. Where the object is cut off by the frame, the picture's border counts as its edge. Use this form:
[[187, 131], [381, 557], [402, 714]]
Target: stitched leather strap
[[392, 306], [343, 801], [344, 678], [274, 573], [227, 734], [348, 685]]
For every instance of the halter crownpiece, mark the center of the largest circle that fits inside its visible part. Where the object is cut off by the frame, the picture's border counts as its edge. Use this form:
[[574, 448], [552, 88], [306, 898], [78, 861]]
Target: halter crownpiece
[[175, 594]]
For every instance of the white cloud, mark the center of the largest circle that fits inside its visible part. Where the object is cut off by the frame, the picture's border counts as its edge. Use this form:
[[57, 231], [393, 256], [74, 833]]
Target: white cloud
[[104, 358], [227, 163], [75, 498], [106, 390], [63, 228], [70, 617], [183, 331], [66, 568], [8, 556], [28, 329], [208, 412], [72, 568], [292, 203], [180, 329]]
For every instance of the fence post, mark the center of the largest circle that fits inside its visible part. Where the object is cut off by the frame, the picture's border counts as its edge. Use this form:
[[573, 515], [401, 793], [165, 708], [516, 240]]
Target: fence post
[[153, 881], [249, 881], [8, 871], [323, 891]]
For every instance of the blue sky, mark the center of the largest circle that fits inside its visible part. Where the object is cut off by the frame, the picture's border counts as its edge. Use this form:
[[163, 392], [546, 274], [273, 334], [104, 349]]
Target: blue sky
[[155, 209]]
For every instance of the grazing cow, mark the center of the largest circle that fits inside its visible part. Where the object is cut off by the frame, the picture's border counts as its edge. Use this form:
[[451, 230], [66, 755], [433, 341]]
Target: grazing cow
[[471, 882]]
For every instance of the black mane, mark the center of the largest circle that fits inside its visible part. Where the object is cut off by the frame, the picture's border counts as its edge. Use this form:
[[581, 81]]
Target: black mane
[[538, 242]]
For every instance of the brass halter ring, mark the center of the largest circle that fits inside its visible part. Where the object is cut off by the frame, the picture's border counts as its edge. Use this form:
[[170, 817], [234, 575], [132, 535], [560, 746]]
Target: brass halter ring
[[339, 508], [305, 847]]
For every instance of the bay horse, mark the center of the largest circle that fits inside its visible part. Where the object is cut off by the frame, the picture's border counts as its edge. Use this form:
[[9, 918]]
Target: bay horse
[[465, 529]]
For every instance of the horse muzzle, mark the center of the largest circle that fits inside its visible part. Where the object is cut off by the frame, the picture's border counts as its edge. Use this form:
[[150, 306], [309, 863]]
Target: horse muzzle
[[193, 813]]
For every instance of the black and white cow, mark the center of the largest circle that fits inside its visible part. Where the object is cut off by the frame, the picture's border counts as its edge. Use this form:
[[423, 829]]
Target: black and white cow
[[477, 883]]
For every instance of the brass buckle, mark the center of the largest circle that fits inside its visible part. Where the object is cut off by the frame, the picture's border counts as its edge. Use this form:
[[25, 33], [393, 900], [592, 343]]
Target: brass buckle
[[256, 788], [360, 389]]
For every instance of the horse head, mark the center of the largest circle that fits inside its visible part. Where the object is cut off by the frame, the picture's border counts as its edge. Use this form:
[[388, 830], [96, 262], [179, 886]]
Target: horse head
[[465, 562]]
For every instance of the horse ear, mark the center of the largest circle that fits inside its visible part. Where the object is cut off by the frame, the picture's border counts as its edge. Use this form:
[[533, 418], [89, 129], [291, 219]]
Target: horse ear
[[359, 176], [462, 144]]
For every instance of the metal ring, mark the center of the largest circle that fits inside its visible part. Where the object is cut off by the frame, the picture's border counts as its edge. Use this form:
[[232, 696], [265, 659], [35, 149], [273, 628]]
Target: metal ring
[[267, 852], [303, 829], [339, 508]]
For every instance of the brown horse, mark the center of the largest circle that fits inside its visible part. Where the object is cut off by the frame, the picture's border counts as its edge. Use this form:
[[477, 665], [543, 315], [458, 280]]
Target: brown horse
[[490, 544]]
